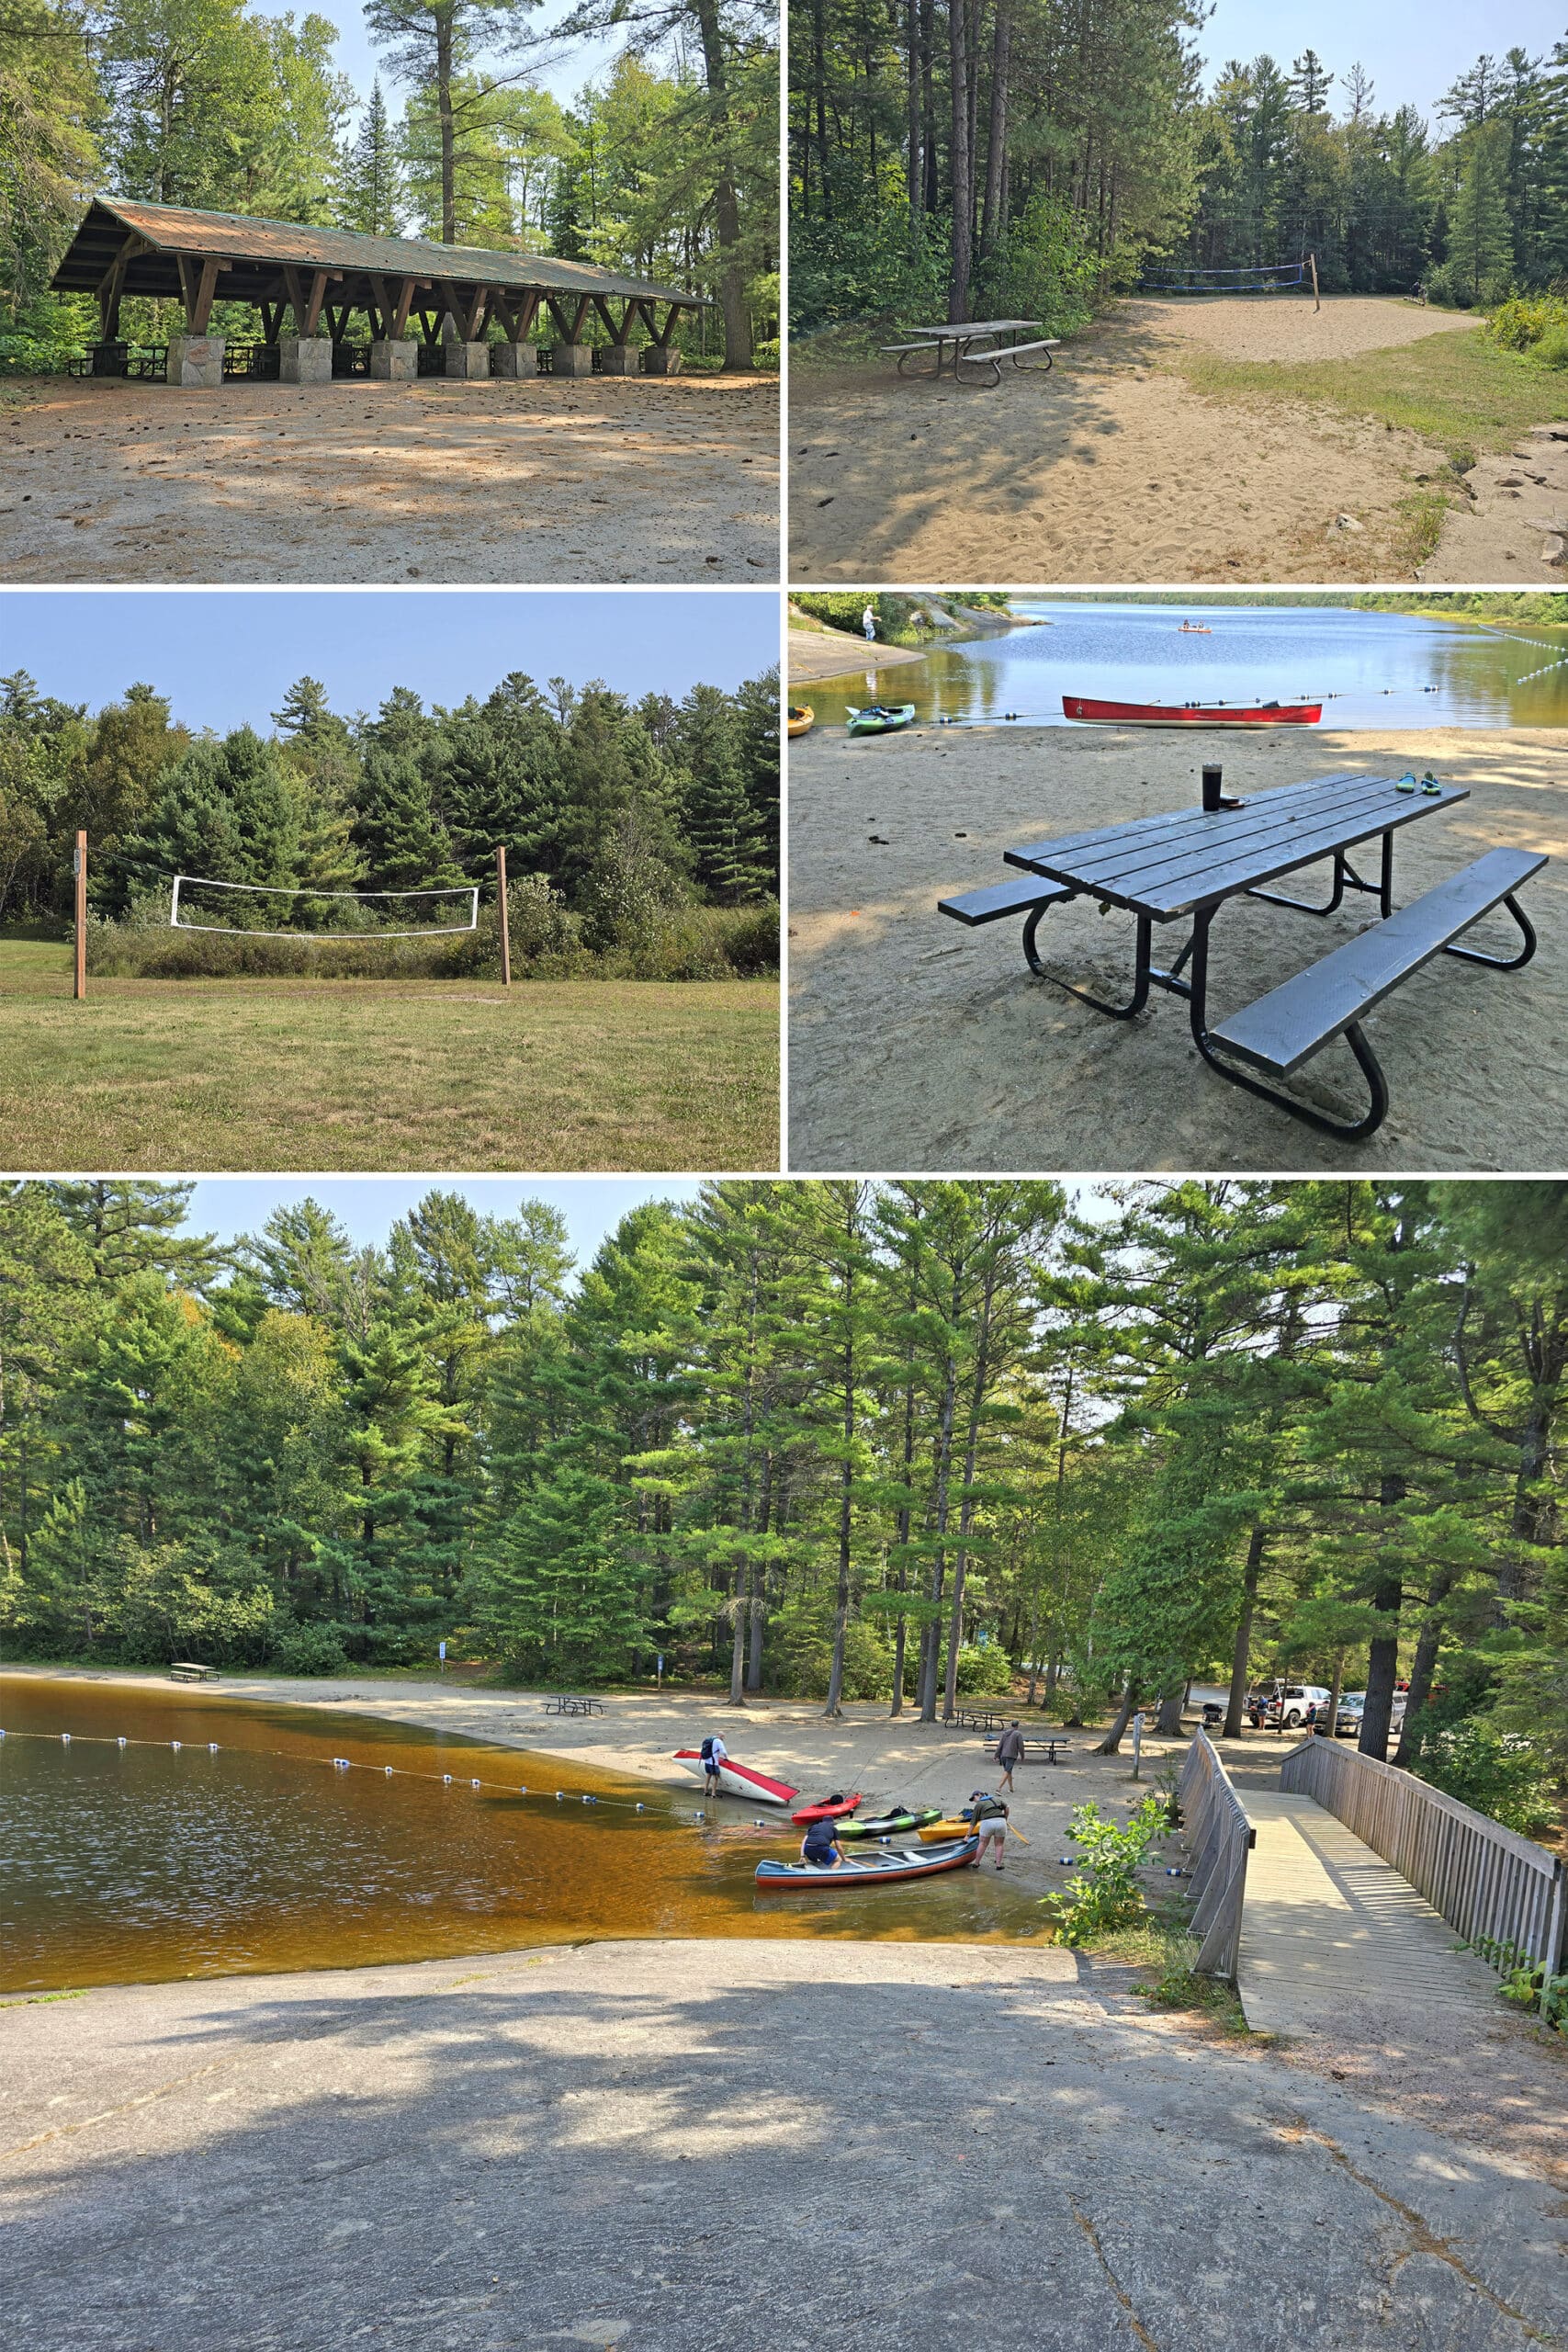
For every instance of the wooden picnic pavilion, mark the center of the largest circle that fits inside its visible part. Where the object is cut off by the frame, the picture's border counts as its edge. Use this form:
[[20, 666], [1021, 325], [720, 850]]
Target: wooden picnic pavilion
[[316, 277]]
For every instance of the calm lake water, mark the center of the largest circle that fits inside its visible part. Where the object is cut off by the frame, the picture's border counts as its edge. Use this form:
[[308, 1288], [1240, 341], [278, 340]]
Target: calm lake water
[[142, 1863], [1379, 669]]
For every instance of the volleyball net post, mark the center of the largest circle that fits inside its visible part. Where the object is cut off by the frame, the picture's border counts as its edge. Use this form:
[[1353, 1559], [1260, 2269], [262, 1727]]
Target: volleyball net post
[[501, 913], [79, 869], [1316, 298]]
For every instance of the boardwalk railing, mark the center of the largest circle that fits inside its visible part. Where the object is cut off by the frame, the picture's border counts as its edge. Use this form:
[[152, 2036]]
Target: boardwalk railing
[[1219, 1839], [1488, 1882]]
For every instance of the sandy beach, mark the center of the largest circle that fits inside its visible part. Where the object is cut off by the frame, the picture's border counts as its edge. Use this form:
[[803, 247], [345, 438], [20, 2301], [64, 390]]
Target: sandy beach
[[638, 479], [1111, 467], [915, 1044]]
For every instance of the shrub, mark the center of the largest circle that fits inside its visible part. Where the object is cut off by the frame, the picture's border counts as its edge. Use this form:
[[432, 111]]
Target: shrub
[[1499, 1773], [1551, 351], [984, 1671], [309, 1649], [1104, 1894], [1525, 320]]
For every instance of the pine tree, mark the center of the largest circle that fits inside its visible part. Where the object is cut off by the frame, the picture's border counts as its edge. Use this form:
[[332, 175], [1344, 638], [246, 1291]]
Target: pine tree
[[370, 188], [1480, 236], [720, 822]]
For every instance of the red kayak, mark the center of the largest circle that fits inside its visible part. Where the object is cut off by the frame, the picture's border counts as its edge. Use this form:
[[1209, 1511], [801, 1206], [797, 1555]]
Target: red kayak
[[829, 1808], [738, 1779], [1190, 714]]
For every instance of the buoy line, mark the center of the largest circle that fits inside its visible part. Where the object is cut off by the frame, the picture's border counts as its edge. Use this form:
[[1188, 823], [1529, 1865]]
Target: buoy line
[[336, 1764]]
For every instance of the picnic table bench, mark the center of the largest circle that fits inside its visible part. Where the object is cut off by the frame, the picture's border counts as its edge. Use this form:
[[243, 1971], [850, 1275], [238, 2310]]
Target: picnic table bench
[[963, 336], [186, 1670], [1191, 863], [1046, 1749], [567, 1703]]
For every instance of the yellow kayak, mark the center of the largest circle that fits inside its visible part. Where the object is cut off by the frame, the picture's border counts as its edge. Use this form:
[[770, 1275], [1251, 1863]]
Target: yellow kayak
[[801, 716], [936, 1830]]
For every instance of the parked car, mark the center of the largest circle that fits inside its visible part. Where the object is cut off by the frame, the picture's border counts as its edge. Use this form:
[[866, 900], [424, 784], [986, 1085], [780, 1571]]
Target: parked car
[[1352, 1707], [1287, 1707]]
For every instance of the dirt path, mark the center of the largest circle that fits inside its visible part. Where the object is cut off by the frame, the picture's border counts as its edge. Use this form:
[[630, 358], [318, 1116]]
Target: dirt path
[[917, 1045], [664, 481], [1109, 469]]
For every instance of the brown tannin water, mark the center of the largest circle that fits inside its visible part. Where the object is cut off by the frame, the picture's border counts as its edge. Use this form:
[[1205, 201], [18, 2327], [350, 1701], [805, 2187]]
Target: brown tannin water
[[138, 1863]]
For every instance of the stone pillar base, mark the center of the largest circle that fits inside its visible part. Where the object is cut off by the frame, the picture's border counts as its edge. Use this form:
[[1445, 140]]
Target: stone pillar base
[[394, 363], [571, 360], [196, 362], [622, 359], [513, 360], [659, 362], [468, 362], [304, 359]]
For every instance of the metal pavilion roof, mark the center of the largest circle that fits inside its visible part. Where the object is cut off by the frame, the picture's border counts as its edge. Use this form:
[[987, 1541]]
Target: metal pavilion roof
[[256, 250]]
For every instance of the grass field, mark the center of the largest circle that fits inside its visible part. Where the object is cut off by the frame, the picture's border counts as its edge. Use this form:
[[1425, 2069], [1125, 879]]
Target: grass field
[[461, 1074], [1459, 390]]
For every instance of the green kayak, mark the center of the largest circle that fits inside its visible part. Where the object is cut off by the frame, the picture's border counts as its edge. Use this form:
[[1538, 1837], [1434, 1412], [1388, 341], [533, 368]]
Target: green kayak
[[894, 1823], [879, 718]]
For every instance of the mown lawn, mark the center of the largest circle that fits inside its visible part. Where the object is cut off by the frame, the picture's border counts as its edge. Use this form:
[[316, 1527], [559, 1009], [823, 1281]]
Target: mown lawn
[[295, 1074], [1459, 389]]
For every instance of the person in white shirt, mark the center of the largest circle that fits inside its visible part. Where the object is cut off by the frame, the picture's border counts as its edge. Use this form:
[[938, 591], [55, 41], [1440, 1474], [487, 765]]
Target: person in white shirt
[[714, 1753], [868, 622]]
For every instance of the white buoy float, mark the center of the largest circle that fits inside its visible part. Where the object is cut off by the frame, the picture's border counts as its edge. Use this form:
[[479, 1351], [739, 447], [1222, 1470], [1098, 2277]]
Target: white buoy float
[[388, 1771], [65, 1739], [120, 1743]]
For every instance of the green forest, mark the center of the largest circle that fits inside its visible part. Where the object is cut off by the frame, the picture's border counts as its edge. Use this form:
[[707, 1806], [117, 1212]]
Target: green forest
[[1022, 157], [666, 166], [642, 839], [849, 1440]]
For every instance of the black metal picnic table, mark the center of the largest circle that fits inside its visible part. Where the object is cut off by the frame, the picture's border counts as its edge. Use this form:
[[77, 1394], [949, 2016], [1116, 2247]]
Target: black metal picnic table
[[1188, 863]]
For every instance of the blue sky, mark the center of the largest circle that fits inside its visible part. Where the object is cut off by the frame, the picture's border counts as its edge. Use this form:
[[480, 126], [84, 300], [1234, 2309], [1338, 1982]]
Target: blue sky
[[1413, 53], [225, 659], [369, 1205], [563, 75]]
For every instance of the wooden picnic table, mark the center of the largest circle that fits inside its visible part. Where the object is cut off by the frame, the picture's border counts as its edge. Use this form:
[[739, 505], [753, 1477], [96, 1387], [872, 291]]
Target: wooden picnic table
[[569, 1703], [965, 336]]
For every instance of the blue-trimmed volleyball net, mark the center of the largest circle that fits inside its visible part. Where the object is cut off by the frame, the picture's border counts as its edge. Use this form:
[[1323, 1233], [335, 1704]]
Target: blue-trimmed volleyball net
[[1277, 280]]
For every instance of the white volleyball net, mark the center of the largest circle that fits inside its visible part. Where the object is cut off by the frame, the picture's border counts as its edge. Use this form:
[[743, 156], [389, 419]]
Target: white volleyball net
[[261, 910]]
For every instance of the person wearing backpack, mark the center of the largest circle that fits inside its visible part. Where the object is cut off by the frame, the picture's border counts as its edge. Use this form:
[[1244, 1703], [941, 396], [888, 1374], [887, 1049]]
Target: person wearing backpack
[[1009, 1751], [715, 1753], [988, 1816]]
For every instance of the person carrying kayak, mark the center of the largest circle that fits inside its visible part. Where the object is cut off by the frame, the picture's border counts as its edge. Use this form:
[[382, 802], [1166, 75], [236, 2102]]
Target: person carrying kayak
[[1009, 1751], [987, 1817], [715, 1753], [820, 1845]]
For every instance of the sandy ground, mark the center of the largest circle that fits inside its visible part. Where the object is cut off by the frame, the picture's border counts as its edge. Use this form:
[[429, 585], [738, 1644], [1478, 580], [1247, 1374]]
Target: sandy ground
[[811, 657], [1515, 527], [1109, 469], [917, 1045], [663, 479]]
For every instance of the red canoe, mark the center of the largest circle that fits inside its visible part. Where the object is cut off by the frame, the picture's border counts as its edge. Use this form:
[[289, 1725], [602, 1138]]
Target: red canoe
[[738, 1779], [829, 1809], [1192, 714]]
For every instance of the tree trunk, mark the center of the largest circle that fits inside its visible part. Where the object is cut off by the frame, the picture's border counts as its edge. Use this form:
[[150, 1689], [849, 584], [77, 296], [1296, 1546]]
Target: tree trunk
[[933, 1631], [914, 167], [996, 144], [928, 102], [905, 1516], [1112, 1744], [1383, 1657], [1235, 1704], [1336, 1694], [448, 140], [1169, 1721], [1423, 1665], [961, 160], [727, 206]]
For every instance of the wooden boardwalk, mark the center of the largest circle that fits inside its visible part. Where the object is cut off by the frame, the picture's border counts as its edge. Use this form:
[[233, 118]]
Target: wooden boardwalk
[[1330, 1930]]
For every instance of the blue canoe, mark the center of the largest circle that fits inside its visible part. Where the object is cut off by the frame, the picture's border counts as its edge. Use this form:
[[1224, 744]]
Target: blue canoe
[[868, 1869]]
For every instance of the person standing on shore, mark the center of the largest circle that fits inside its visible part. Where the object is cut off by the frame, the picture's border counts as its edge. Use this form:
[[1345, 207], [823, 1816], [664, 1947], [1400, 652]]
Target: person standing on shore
[[988, 1816], [715, 1753], [1009, 1751], [868, 622]]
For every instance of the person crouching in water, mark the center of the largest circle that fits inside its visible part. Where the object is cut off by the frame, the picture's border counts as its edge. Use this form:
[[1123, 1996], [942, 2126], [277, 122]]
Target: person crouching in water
[[988, 1816], [820, 1845]]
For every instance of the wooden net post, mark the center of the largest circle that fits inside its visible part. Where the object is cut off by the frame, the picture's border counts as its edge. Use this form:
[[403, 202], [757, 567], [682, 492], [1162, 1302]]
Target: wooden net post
[[1311, 264], [80, 870], [501, 911]]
